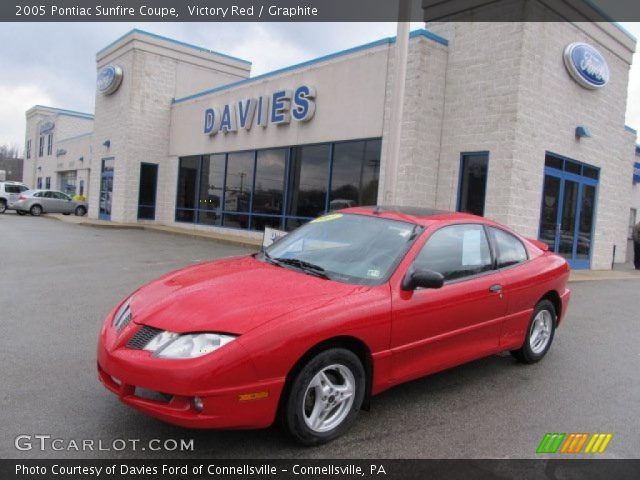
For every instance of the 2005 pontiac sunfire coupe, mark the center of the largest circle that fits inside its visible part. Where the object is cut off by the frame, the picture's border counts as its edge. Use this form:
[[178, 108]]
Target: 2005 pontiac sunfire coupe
[[341, 309]]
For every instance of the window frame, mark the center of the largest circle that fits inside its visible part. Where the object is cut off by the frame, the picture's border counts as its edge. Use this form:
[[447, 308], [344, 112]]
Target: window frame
[[41, 146]]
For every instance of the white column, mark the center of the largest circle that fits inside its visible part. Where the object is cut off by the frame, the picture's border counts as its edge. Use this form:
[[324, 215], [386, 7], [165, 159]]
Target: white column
[[397, 103]]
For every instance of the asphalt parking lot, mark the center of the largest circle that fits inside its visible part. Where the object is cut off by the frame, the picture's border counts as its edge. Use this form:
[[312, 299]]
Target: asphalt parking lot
[[57, 281]]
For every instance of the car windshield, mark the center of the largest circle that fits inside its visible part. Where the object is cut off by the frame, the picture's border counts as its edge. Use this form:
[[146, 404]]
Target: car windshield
[[350, 248]]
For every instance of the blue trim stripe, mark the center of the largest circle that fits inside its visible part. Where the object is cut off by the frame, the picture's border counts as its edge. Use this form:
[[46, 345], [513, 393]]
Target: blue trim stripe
[[384, 41], [177, 42], [70, 113], [632, 130]]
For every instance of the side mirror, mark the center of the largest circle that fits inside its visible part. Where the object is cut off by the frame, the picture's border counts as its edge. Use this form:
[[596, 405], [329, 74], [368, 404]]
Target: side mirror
[[423, 279]]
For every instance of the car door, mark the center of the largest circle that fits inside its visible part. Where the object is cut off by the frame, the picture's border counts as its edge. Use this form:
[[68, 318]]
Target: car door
[[433, 329], [49, 202], [66, 204]]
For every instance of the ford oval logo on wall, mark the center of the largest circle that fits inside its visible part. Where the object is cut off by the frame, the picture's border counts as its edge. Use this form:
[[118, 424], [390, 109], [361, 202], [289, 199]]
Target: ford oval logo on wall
[[109, 79], [586, 65]]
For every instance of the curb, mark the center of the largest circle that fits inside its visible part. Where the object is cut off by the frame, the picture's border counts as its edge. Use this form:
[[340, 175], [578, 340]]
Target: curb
[[229, 240]]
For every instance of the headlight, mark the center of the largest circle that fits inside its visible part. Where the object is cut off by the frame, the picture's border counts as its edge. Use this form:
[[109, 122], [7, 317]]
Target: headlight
[[122, 316], [190, 345]]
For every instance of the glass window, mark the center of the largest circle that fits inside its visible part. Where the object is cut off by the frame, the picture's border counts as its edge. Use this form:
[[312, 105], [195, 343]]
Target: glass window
[[14, 188], [354, 175], [41, 146], [456, 251], [147, 191], [47, 182], [308, 182], [509, 249], [39, 182], [28, 149], [553, 162], [585, 227], [473, 183], [186, 197], [68, 182], [211, 189], [238, 186], [268, 196], [572, 167], [50, 144], [590, 172]]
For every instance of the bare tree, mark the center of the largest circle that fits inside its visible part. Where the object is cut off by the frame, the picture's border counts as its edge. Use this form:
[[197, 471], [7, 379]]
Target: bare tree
[[9, 151]]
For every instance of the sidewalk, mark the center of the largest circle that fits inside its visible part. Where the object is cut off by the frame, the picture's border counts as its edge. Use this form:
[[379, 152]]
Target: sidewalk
[[217, 236], [621, 272]]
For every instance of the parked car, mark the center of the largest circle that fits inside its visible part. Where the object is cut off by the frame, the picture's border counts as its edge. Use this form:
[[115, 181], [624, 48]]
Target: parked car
[[9, 193], [37, 202], [337, 311]]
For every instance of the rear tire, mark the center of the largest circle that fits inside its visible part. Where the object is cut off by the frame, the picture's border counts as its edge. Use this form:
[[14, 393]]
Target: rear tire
[[81, 211], [540, 332], [36, 210], [325, 397], [3, 206]]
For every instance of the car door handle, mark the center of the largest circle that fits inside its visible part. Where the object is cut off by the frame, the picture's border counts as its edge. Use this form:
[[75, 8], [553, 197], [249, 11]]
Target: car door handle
[[497, 288]]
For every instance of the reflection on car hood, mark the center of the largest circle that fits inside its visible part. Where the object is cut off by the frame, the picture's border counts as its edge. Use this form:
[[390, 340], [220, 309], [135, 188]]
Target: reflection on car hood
[[233, 295]]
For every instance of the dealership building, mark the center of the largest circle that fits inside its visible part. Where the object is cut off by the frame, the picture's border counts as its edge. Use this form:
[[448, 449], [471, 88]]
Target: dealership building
[[520, 122]]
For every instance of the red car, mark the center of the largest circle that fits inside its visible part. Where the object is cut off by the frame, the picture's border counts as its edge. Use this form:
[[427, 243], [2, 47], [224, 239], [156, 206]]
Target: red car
[[335, 312]]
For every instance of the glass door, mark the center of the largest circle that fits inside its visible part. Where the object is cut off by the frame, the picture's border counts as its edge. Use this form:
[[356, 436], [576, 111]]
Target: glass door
[[106, 188], [567, 213]]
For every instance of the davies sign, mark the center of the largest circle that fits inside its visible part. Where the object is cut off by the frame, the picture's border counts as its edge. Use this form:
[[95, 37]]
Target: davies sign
[[279, 109], [586, 65]]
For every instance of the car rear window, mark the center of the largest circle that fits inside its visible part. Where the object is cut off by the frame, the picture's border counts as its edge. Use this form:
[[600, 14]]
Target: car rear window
[[14, 188]]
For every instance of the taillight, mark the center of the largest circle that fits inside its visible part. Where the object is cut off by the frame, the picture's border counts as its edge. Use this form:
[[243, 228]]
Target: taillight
[[22, 197]]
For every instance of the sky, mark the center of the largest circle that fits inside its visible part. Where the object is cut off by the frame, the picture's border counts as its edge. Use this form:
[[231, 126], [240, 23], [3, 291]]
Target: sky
[[53, 64]]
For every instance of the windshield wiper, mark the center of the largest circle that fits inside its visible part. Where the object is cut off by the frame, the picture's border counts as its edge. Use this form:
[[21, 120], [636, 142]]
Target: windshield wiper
[[306, 267]]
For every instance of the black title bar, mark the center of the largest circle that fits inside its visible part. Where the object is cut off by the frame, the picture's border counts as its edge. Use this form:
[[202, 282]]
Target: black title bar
[[316, 10]]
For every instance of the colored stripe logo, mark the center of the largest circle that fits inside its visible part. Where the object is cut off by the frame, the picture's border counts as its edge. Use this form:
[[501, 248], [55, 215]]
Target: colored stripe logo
[[574, 443]]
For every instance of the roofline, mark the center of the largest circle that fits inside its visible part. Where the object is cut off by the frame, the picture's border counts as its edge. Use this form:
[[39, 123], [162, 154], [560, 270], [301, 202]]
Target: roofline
[[383, 41], [630, 129], [62, 111], [172, 40], [610, 19], [74, 137]]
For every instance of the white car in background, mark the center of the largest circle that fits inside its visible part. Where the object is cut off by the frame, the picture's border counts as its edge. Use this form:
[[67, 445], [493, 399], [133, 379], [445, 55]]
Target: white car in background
[[9, 193]]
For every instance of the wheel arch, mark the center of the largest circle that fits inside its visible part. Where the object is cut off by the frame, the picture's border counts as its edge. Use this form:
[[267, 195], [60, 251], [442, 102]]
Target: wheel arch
[[348, 342], [554, 298]]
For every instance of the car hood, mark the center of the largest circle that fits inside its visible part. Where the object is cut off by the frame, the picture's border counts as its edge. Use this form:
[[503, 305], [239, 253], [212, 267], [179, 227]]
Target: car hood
[[230, 296]]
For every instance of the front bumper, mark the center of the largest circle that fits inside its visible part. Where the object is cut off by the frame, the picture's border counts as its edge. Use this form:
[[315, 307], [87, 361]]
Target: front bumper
[[232, 395]]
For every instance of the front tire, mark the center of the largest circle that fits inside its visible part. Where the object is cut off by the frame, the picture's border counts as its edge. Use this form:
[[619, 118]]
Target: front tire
[[540, 334], [36, 210], [80, 211], [325, 397]]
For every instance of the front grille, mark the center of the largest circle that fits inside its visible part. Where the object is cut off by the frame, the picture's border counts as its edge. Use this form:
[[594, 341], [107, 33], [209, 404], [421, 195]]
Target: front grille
[[142, 337]]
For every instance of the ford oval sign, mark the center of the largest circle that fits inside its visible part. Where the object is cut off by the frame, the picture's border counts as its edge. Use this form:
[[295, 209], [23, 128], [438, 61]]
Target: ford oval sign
[[586, 65], [109, 79]]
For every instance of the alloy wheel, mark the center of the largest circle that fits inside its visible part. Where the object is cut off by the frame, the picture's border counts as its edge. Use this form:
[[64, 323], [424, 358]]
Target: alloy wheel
[[540, 332], [328, 398]]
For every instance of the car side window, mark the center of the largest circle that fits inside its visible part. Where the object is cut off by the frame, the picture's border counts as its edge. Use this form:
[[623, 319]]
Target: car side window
[[456, 251], [49, 195], [509, 249]]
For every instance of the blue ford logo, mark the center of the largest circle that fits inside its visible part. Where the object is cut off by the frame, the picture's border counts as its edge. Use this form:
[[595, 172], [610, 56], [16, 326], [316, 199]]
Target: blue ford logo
[[109, 79], [586, 65]]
